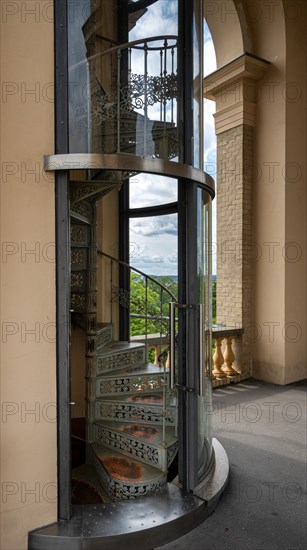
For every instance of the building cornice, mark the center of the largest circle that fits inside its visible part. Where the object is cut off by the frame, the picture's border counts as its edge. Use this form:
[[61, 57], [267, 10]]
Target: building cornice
[[234, 89], [246, 66]]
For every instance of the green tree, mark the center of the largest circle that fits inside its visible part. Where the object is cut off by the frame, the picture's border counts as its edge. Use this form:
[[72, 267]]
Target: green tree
[[145, 301]]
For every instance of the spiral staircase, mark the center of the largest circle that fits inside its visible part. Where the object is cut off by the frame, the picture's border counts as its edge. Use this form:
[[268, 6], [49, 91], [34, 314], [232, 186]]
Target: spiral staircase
[[131, 412]]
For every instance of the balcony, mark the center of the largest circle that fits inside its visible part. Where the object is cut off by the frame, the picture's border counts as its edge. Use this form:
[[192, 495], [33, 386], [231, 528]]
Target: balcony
[[227, 349]]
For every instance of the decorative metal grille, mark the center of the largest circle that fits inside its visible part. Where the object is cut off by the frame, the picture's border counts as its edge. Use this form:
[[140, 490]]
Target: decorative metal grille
[[120, 490], [120, 360], [142, 414], [78, 257], [79, 234], [78, 280], [129, 446]]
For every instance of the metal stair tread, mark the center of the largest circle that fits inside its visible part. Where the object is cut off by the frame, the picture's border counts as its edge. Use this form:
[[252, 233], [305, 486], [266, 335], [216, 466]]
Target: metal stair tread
[[119, 347], [152, 399], [140, 370], [151, 435], [136, 472], [101, 326]]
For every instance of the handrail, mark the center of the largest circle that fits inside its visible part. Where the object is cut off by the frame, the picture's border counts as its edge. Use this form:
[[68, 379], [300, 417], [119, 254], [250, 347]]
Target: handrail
[[148, 316], [121, 262], [129, 45]]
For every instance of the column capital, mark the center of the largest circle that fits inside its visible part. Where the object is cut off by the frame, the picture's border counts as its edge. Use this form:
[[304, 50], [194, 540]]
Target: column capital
[[234, 89]]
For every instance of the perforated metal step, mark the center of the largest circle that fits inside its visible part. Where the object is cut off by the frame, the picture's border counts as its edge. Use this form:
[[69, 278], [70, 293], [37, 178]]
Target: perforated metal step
[[141, 379], [152, 445], [116, 356], [123, 477], [141, 408]]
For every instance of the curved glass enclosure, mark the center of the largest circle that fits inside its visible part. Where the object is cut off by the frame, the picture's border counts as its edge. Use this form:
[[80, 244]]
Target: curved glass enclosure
[[135, 108], [123, 97]]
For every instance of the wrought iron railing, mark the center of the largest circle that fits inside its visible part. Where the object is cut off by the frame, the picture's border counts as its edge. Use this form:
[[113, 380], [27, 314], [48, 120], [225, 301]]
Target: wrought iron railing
[[149, 321], [146, 299], [131, 105]]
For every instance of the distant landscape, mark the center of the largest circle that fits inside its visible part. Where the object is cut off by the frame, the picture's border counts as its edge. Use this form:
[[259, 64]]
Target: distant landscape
[[150, 301], [174, 277]]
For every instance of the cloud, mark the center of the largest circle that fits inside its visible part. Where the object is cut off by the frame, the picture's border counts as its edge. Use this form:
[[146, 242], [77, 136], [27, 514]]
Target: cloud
[[152, 190], [152, 260], [155, 226], [155, 238], [157, 265], [160, 17]]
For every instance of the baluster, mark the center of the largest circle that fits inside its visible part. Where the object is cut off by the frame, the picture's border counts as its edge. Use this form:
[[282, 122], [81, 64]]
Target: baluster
[[172, 97], [218, 360], [164, 84], [145, 97], [167, 363], [161, 80], [157, 353], [161, 314], [129, 65], [229, 358], [118, 100]]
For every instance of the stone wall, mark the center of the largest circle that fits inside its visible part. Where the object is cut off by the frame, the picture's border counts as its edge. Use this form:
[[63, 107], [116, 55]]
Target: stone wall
[[235, 250]]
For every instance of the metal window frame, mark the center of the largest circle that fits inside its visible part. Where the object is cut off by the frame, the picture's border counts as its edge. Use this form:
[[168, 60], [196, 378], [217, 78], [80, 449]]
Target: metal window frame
[[187, 256], [62, 219]]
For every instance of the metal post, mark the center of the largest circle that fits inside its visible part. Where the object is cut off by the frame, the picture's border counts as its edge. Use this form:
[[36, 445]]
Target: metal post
[[62, 264]]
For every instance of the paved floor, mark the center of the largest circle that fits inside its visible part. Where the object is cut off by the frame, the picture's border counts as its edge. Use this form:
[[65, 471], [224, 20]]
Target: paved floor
[[263, 429]]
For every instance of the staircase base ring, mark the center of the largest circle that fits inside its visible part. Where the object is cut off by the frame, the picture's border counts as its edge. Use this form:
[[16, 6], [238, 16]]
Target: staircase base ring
[[143, 523], [129, 163]]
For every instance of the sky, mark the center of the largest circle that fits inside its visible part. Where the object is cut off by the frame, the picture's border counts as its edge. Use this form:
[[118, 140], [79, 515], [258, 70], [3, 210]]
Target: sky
[[153, 241]]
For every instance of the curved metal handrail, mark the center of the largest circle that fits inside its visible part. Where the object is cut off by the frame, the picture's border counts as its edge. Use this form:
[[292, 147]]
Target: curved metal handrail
[[131, 268], [128, 45]]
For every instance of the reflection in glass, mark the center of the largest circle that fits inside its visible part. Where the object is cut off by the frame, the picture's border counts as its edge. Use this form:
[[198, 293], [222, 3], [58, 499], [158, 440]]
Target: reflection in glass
[[123, 99], [204, 288], [152, 190]]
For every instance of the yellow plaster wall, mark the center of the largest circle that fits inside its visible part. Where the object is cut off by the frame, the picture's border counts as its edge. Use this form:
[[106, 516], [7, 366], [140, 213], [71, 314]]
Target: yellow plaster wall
[[269, 195], [225, 28], [274, 31], [296, 231], [107, 238], [28, 363]]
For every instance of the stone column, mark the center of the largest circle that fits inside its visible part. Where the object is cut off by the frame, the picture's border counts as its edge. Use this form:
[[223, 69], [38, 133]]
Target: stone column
[[234, 89]]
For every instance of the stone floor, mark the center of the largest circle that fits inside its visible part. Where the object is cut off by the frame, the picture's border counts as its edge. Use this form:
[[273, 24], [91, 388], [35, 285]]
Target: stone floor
[[263, 429]]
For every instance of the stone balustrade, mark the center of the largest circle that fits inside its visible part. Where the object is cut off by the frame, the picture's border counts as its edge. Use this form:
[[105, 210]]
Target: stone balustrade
[[154, 342], [226, 361]]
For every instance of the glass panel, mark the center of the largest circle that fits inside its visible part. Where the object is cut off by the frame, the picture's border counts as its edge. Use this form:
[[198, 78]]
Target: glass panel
[[151, 190], [123, 99], [197, 83], [205, 300], [153, 245], [150, 298], [79, 78]]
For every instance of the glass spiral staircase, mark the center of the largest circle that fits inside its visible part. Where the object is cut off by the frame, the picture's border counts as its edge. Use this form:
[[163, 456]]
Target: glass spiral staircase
[[133, 111]]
